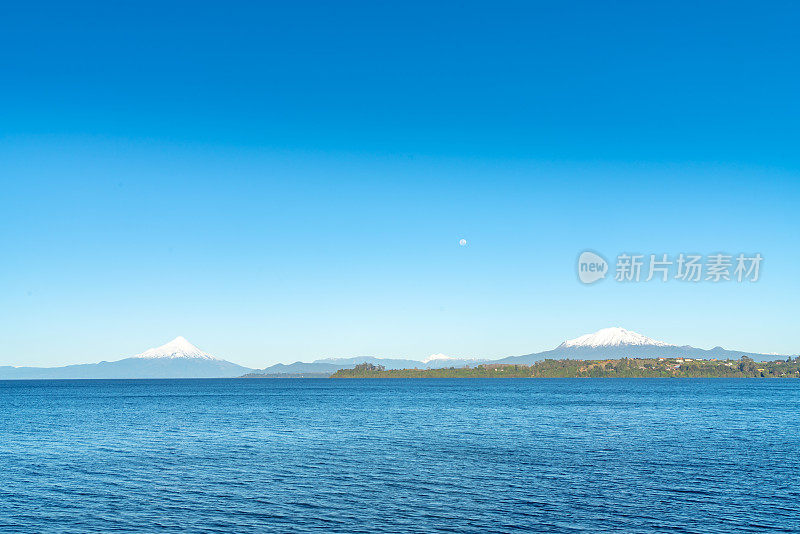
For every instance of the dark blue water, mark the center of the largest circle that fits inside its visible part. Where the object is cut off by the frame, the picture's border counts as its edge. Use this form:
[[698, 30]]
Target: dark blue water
[[472, 455]]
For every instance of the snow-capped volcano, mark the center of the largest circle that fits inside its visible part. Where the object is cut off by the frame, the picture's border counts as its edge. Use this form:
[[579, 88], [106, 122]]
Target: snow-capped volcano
[[437, 357], [615, 343], [178, 348], [176, 359], [613, 337]]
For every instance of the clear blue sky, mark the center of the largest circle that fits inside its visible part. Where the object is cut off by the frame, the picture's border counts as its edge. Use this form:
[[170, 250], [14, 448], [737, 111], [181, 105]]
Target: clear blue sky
[[286, 182]]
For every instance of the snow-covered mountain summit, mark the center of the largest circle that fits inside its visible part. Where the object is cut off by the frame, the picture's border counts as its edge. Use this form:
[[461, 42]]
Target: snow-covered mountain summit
[[442, 360], [438, 357], [178, 348], [613, 337]]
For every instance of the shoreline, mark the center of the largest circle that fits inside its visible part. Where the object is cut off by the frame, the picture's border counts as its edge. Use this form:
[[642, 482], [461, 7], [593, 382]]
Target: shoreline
[[609, 368]]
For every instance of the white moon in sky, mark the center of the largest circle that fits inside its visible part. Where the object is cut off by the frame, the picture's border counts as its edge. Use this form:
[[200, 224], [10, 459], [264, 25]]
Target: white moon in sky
[[462, 242]]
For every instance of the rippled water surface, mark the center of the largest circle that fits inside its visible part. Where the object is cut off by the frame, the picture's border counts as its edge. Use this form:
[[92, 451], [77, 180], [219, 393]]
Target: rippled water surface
[[452, 455]]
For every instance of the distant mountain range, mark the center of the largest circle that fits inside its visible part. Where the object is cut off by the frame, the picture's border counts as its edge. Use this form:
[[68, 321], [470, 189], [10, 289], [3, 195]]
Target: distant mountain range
[[181, 359], [608, 343], [331, 365], [616, 342], [176, 359]]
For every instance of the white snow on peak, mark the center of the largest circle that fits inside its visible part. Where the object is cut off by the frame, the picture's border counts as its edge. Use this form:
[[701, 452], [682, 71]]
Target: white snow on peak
[[177, 348], [434, 357], [613, 337], [444, 358]]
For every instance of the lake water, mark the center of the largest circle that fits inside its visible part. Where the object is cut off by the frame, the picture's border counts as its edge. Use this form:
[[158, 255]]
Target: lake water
[[450, 455]]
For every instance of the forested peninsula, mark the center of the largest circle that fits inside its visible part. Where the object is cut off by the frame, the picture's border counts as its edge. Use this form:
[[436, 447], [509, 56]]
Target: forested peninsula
[[622, 368]]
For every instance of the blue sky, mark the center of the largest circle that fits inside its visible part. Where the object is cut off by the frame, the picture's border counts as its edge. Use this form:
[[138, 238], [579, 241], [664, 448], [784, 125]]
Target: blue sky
[[278, 183]]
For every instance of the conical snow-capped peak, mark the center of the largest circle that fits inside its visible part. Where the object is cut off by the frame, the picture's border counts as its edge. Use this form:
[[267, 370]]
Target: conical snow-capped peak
[[613, 337], [177, 348]]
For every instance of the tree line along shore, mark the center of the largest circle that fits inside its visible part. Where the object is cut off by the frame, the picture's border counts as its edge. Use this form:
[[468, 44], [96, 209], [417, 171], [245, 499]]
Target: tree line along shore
[[623, 368]]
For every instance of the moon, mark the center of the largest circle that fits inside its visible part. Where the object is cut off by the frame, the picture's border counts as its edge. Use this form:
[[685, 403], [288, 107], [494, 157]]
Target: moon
[[462, 242]]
